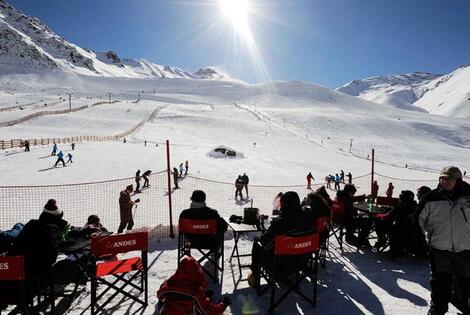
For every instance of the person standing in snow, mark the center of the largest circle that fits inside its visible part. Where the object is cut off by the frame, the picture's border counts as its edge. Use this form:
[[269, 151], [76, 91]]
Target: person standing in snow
[[342, 176], [69, 156], [309, 180], [389, 192], [444, 215], [137, 181], [239, 187], [125, 209], [349, 178], [72, 146], [181, 170], [175, 177], [245, 180], [145, 176], [375, 190], [328, 181], [60, 158], [337, 181], [186, 166], [26, 146], [54, 149]]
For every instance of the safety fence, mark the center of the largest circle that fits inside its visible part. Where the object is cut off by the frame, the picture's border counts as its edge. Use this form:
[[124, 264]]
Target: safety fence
[[78, 201], [49, 112], [12, 143]]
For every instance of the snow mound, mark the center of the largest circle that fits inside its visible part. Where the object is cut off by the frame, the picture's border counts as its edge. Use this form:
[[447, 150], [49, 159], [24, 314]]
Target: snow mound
[[225, 152]]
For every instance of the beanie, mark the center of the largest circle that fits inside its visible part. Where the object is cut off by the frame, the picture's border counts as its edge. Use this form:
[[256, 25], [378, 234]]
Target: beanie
[[51, 208]]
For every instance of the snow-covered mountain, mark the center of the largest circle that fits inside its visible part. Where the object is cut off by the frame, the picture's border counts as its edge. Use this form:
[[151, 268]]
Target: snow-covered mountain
[[28, 46], [447, 95], [399, 90]]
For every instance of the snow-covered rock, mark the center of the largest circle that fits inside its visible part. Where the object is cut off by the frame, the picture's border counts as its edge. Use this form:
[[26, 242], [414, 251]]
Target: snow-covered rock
[[29, 46]]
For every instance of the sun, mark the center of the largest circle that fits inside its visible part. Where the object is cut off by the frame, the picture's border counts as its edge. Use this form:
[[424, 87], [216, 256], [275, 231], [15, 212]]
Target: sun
[[235, 10]]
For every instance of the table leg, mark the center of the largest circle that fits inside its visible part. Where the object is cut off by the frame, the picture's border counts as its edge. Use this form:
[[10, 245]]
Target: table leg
[[236, 236]]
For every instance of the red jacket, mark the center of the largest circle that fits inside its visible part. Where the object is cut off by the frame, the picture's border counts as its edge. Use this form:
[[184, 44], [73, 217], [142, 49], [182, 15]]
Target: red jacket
[[188, 280]]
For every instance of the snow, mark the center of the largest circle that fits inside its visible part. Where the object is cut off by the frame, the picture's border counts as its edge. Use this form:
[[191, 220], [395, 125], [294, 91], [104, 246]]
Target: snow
[[447, 95], [297, 127], [282, 129]]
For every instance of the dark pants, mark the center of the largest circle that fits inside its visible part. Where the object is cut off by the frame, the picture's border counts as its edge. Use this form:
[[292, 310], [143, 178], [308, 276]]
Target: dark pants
[[337, 186], [448, 268], [137, 185], [238, 192], [60, 160], [246, 189], [146, 182], [129, 223], [175, 179], [363, 224]]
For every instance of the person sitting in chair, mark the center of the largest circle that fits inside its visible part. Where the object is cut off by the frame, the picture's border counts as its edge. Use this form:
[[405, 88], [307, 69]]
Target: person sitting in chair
[[291, 220], [351, 219], [198, 210], [185, 292]]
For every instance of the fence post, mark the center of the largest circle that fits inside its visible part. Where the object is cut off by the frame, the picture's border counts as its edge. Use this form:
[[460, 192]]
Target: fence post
[[172, 234], [372, 172]]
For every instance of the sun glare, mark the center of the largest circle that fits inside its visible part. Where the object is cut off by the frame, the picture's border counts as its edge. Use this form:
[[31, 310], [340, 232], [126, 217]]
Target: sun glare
[[235, 10]]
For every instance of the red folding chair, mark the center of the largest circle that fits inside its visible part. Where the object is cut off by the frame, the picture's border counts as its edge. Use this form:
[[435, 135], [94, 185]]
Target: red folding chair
[[336, 224], [17, 290], [193, 234], [129, 272], [302, 252]]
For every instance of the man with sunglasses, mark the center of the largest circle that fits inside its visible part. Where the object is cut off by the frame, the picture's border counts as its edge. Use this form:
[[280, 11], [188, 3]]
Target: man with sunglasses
[[444, 216]]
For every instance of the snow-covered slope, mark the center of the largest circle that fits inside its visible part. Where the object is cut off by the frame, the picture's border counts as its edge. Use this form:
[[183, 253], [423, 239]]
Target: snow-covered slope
[[399, 90], [447, 95], [27, 46]]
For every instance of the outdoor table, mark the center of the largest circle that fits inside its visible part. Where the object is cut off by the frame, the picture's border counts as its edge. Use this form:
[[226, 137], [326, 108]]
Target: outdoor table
[[364, 208], [238, 230]]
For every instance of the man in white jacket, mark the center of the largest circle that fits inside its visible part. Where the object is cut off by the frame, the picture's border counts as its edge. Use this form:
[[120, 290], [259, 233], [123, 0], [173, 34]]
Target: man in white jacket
[[444, 216]]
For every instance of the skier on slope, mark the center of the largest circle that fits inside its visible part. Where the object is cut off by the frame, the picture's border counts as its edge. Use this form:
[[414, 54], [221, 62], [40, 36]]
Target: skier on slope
[[69, 156], [60, 158], [145, 176], [137, 181], [309, 180], [181, 170], [54, 149]]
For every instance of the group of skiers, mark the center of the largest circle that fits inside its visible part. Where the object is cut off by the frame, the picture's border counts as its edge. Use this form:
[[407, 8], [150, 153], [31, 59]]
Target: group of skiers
[[139, 177], [337, 179], [180, 173], [240, 183], [60, 155]]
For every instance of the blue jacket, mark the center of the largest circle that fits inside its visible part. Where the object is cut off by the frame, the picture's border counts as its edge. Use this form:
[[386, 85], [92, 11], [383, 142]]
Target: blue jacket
[[60, 155]]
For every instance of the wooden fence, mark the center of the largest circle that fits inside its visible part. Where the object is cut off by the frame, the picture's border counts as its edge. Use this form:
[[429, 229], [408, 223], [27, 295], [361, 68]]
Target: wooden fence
[[15, 143]]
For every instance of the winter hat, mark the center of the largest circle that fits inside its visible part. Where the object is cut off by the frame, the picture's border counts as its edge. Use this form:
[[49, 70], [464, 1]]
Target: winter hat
[[51, 208], [451, 172], [198, 196], [130, 187]]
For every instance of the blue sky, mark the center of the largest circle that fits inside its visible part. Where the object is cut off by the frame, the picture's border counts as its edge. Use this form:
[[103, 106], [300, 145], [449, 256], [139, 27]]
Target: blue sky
[[329, 42]]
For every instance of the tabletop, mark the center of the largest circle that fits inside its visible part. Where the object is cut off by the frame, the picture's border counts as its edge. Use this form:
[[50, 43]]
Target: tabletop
[[242, 227], [364, 207]]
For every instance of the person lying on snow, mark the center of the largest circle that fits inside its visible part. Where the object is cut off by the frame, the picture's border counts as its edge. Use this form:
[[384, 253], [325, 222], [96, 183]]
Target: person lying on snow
[[185, 292]]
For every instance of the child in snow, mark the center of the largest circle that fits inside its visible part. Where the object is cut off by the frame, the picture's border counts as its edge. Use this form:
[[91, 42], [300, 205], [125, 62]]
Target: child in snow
[[60, 158], [69, 156]]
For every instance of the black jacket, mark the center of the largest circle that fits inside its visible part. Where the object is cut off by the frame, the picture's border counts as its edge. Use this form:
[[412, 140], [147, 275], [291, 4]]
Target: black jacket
[[38, 242], [349, 210], [205, 213]]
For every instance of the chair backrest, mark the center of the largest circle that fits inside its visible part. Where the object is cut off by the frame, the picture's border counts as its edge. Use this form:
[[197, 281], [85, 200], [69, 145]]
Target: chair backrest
[[337, 211], [385, 201], [322, 224], [121, 243], [296, 245], [191, 226], [12, 268]]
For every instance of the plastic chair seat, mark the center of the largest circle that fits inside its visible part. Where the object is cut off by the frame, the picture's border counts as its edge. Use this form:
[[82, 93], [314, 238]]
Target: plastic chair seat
[[118, 266]]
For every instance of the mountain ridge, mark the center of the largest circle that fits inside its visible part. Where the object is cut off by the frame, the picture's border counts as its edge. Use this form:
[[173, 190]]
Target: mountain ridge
[[27, 45]]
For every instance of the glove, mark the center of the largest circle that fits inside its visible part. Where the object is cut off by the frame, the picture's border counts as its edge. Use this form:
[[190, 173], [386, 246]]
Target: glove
[[380, 216], [227, 301]]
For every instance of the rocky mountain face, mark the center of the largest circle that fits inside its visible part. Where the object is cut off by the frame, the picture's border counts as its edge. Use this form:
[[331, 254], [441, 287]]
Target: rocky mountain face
[[28, 46]]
